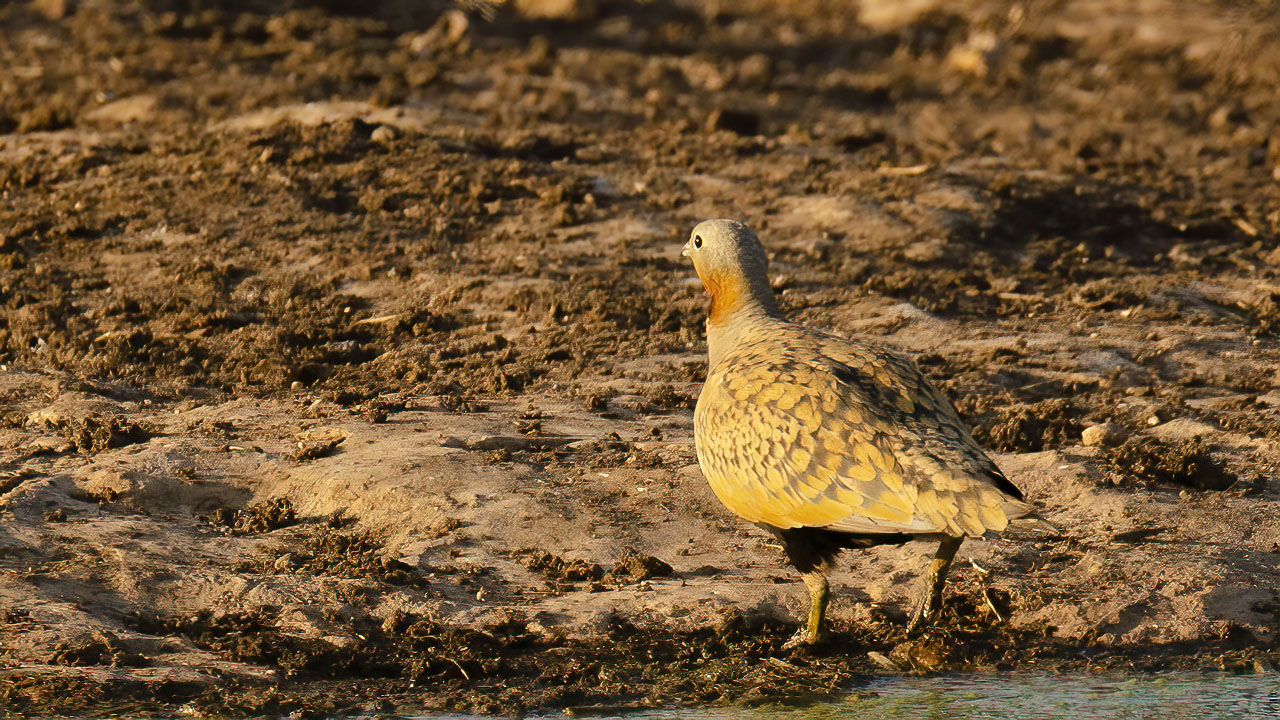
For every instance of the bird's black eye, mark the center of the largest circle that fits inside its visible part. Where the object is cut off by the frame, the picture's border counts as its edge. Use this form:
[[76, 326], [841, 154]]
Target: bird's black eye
[[697, 241]]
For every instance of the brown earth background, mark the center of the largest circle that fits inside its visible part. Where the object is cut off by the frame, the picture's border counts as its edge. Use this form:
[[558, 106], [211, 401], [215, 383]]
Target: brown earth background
[[347, 357]]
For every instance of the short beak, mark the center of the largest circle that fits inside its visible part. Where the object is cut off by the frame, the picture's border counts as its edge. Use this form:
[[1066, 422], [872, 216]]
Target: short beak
[[688, 250]]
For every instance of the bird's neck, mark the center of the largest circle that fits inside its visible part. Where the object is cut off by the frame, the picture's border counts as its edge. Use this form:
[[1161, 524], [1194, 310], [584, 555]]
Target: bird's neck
[[738, 304]]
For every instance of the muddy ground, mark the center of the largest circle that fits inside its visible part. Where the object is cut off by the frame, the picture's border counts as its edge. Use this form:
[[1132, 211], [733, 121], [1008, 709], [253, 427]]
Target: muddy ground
[[348, 356]]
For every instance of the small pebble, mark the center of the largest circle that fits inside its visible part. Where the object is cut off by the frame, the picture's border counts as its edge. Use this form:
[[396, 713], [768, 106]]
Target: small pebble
[[383, 134], [882, 661], [1107, 433]]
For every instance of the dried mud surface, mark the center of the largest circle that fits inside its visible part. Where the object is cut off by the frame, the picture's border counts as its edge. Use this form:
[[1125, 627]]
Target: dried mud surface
[[347, 357]]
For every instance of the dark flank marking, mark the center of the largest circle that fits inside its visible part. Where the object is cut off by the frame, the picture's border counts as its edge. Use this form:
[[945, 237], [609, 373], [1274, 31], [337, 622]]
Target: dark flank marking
[[811, 549]]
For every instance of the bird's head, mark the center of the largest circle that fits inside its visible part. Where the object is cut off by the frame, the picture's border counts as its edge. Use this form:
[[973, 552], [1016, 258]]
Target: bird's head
[[725, 246], [732, 265]]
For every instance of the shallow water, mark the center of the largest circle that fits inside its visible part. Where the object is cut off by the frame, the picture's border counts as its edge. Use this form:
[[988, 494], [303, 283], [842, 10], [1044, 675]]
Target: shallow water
[[1168, 696]]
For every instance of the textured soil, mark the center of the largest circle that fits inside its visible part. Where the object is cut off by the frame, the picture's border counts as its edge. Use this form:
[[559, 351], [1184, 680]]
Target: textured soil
[[347, 357]]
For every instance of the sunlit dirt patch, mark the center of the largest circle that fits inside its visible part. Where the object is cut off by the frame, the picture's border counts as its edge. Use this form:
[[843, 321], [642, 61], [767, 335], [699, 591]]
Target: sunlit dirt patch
[[1188, 464]]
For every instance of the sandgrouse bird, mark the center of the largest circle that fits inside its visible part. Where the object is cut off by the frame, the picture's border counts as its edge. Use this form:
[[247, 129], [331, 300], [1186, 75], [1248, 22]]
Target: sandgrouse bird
[[830, 443]]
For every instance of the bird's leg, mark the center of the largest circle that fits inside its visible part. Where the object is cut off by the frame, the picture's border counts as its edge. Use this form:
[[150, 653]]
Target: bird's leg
[[819, 593], [930, 600]]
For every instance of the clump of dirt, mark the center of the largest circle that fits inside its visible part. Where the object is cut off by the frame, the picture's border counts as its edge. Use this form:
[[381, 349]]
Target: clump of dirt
[[1028, 427], [311, 449], [322, 550], [1253, 418], [635, 566], [1248, 661], [555, 568], [1264, 315], [11, 479], [1028, 430], [377, 411], [100, 649], [255, 519], [254, 636], [96, 432], [665, 398], [317, 443], [459, 403], [963, 634], [596, 402], [632, 566], [1186, 464]]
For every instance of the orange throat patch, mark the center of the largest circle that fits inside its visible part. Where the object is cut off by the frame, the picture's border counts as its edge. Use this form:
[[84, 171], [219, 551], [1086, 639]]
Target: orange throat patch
[[726, 294]]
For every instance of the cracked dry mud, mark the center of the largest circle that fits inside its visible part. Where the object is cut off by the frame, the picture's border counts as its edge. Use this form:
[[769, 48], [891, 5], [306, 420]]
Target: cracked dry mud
[[348, 356]]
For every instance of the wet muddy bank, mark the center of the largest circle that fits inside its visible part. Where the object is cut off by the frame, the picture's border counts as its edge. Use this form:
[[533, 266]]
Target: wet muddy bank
[[413, 665]]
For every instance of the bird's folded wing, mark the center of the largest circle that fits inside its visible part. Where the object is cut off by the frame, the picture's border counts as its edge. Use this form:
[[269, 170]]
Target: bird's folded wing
[[792, 444]]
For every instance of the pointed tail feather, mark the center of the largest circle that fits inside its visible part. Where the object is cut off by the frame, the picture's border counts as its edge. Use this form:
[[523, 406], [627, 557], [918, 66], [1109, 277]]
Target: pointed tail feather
[[1033, 522]]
